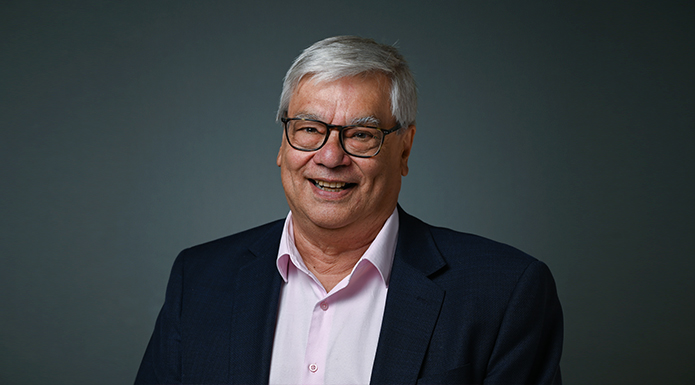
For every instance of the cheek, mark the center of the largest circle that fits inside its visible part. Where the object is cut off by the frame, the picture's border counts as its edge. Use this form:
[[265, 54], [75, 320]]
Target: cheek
[[292, 163], [393, 172], [383, 173]]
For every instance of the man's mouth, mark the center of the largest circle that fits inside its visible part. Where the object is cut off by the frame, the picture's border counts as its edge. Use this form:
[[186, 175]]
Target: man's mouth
[[331, 186]]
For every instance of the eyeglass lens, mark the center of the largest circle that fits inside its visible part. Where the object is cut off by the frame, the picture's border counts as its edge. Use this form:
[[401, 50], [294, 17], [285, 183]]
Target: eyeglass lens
[[308, 135]]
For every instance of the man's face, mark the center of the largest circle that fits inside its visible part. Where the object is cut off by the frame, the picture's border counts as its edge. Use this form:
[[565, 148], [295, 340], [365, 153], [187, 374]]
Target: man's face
[[363, 192]]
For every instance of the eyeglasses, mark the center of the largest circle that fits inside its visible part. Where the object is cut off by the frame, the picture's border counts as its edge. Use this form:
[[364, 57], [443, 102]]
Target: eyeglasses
[[356, 140]]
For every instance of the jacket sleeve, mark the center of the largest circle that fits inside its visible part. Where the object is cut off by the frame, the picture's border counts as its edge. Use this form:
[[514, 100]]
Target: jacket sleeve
[[529, 343], [162, 361]]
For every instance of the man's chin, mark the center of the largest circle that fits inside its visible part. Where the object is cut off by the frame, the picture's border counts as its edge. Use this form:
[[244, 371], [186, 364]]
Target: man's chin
[[328, 219]]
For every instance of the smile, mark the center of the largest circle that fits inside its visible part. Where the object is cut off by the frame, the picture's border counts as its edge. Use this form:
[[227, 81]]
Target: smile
[[331, 186]]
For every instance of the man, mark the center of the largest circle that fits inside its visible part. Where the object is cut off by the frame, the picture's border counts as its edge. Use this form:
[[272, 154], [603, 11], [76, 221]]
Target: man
[[350, 289]]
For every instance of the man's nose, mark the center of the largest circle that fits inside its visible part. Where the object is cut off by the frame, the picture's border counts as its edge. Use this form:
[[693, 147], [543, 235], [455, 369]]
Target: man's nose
[[332, 155]]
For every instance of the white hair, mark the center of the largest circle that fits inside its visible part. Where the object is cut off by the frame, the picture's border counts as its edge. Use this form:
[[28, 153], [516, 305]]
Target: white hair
[[343, 56]]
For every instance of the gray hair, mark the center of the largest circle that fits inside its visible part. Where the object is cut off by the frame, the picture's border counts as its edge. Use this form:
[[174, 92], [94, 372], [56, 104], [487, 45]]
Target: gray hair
[[343, 56]]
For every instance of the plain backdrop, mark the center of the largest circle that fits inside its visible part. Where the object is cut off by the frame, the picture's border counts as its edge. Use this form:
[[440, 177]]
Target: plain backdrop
[[133, 129]]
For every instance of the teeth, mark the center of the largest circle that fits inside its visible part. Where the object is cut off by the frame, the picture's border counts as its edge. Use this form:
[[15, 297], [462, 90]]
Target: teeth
[[330, 186]]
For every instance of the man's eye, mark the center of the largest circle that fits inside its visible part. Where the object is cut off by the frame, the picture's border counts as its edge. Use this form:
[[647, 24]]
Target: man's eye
[[308, 130], [362, 135]]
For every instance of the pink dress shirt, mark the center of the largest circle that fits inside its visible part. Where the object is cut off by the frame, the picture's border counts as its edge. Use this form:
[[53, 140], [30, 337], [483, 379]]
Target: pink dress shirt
[[330, 338]]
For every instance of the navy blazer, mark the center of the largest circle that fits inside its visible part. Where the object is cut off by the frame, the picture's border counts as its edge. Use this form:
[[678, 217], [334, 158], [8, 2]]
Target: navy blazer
[[460, 309]]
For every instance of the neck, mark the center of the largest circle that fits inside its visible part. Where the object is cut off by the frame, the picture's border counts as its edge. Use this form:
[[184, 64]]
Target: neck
[[331, 254]]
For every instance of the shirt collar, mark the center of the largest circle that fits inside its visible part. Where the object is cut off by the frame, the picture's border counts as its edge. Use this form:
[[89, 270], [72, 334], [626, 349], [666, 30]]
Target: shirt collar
[[380, 253]]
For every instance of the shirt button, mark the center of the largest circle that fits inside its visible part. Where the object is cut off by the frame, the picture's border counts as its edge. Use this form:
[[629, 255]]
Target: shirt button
[[313, 368], [324, 306]]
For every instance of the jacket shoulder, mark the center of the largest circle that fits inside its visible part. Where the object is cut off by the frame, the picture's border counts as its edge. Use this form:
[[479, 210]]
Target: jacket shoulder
[[492, 269], [233, 250], [455, 245], [458, 249]]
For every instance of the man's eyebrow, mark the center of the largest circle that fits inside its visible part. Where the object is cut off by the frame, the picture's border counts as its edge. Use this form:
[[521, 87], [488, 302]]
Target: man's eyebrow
[[363, 121], [366, 121], [305, 115]]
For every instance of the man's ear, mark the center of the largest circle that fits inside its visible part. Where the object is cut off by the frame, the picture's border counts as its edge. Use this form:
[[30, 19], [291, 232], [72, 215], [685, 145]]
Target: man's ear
[[278, 160], [407, 138]]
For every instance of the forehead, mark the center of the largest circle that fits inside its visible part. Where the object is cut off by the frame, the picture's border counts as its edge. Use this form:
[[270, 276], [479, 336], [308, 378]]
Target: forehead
[[344, 99]]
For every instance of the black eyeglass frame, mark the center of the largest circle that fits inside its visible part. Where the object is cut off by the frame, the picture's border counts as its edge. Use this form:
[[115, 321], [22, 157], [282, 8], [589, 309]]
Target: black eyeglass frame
[[285, 121]]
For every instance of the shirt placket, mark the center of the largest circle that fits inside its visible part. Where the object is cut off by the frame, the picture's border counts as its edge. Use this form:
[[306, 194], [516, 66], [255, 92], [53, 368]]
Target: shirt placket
[[314, 370]]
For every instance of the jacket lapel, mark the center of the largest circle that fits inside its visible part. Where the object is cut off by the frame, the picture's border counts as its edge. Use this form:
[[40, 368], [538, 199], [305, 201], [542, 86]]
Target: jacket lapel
[[255, 312], [412, 305]]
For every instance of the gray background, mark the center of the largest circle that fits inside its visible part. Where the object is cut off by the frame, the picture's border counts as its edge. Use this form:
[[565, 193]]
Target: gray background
[[130, 130]]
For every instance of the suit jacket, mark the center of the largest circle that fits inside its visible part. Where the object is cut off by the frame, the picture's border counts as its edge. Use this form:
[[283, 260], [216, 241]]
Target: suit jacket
[[460, 309]]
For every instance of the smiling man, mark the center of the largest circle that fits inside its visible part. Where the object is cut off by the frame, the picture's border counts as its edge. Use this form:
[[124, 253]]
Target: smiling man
[[339, 192], [350, 289]]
